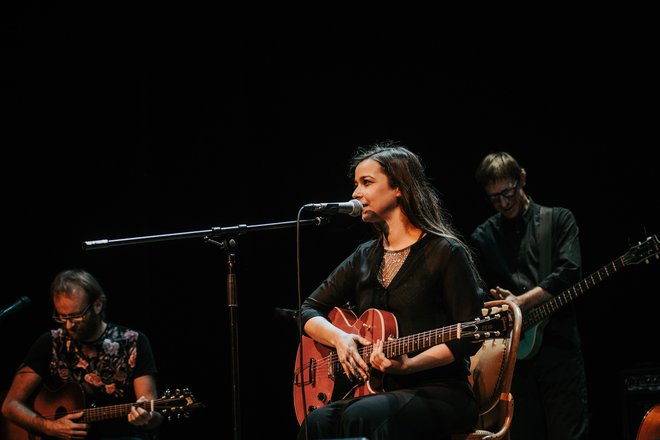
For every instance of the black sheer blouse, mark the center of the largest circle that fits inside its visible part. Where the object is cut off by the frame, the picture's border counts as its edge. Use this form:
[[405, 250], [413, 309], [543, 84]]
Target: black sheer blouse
[[435, 287]]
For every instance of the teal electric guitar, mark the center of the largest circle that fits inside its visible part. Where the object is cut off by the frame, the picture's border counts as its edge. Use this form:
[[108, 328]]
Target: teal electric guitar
[[535, 320]]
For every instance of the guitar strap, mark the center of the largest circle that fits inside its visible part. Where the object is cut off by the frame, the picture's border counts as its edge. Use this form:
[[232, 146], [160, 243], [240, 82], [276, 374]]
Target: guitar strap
[[544, 239]]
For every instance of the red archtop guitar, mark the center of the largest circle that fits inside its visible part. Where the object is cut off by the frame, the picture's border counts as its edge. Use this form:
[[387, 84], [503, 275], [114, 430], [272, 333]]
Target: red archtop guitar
[[320, 380]]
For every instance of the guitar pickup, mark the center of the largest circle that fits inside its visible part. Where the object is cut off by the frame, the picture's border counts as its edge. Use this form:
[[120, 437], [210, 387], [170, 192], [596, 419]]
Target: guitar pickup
[[310, 373]]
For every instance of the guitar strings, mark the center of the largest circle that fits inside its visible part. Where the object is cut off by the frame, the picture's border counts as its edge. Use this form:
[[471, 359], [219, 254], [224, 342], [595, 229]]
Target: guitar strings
[[390, 347], [394, 347], [101, 410], [104, 412]]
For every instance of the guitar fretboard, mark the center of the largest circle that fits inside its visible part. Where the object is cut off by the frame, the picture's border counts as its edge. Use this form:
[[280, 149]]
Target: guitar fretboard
[[419, 341], [546, 309], [481, 328], [406, 344], [111, 412]]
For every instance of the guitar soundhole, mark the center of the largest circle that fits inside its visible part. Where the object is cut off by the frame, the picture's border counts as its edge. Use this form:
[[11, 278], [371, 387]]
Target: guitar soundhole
[[60, 412]]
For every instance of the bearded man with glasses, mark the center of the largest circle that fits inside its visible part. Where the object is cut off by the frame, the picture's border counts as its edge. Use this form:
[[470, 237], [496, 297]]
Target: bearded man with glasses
[[86, 360], [528, 253]]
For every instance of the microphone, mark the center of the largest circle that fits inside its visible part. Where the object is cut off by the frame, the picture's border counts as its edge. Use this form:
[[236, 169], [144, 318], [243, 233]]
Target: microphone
[[19, 304], [352, 207]]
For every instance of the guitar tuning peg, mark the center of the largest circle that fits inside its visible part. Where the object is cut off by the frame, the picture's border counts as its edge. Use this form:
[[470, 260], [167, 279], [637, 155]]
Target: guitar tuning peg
[[505, 307], [484, 312]]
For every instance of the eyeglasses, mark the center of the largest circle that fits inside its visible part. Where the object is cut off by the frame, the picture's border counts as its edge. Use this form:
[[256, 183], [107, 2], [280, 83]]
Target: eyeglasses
[[507, 193], [73, 318]]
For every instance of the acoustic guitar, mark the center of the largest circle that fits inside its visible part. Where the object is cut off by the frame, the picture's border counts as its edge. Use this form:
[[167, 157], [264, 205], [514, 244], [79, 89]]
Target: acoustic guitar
[[70, 398]]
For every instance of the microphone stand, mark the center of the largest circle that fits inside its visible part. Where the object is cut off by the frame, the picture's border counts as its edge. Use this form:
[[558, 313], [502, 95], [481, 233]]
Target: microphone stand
[[232, 293]]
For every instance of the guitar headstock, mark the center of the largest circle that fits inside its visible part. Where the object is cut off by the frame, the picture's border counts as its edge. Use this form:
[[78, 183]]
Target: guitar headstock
[[493, 324], [177, 403], [643, 251]]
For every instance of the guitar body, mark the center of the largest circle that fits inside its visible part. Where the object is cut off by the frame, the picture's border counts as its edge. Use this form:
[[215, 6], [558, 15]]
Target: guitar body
[[530, 340], [11, 431], [52, 403], [649, 429], [64, 400], [322, 380]]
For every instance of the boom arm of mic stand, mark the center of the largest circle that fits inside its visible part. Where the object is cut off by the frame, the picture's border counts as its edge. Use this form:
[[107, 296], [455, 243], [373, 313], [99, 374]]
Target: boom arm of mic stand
[[232, 295], [212, 232]]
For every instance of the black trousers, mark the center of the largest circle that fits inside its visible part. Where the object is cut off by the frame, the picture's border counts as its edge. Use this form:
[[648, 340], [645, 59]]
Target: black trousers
[[429, 412], [550, 396]]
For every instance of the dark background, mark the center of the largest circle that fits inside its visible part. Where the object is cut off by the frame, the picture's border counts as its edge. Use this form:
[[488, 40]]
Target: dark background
[[133, 121]]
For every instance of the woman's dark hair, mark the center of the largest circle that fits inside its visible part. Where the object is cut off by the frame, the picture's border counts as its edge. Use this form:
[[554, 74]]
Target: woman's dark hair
[[405, 170], [419, 199]]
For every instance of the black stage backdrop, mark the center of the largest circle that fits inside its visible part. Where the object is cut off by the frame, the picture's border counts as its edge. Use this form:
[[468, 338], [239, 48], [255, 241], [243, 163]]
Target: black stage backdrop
[[124, 123]]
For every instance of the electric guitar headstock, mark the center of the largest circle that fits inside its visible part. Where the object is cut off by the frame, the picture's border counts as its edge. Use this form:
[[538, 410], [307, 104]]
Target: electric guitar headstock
[[494, 323], [643, 251]]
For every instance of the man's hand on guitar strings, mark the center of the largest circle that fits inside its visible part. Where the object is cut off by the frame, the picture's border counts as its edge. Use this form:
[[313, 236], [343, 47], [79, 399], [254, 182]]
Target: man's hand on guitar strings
[[67, 427], [138, 415]]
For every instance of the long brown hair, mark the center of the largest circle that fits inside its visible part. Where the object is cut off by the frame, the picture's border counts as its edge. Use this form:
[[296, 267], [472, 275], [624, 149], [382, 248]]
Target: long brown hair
[[419, 200]]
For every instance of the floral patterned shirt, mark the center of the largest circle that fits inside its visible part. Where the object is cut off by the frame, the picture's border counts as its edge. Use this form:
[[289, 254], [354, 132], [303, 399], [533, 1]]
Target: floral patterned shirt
[[105, 370]]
